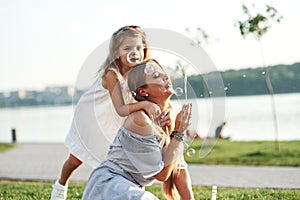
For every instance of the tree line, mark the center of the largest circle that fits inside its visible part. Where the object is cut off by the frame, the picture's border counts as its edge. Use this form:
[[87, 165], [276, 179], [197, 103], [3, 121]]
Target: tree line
[[251, 81]]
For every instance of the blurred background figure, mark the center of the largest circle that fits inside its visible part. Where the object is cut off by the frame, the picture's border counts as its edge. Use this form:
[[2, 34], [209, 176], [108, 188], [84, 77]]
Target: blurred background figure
[[219, 130]]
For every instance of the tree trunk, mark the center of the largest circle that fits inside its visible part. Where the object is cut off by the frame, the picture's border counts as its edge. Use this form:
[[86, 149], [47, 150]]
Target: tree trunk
[[271, 91]]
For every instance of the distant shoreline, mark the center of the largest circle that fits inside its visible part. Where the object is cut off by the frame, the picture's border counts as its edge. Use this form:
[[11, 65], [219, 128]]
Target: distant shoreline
[[285, 79], [71, 104]]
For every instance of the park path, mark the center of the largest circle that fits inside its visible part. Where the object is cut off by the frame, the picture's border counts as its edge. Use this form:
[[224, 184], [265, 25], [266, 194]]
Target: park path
[[42, 162]]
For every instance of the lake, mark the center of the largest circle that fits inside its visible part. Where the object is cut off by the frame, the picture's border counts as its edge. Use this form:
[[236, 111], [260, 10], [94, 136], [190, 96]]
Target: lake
[[247, 117]]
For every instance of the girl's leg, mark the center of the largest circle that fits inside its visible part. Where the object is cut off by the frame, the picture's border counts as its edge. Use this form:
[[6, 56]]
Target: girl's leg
[[60, 187], [70, 165]]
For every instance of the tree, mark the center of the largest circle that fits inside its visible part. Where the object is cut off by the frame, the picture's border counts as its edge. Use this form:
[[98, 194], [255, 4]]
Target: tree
[[258, 25], [200, 38]]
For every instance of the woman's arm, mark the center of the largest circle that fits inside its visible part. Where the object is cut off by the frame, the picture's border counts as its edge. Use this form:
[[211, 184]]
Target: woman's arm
[[112, 84], [174, 149], [170, 155], [139, 123]]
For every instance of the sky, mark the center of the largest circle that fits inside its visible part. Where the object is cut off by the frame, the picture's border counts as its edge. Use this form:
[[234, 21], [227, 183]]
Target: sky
[[44, 43]]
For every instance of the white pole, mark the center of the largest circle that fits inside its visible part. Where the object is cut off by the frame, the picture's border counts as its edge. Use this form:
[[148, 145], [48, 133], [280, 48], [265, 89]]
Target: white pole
[[214, 192]]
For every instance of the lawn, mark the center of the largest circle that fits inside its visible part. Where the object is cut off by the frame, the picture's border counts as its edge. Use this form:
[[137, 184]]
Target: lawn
[[221, 152], [5, 146], [41, 190], [226, 152], [258, 153]]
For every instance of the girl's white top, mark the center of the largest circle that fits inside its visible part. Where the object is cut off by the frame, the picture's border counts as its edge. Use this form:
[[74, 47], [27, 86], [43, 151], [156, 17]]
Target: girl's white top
[[95, 123]]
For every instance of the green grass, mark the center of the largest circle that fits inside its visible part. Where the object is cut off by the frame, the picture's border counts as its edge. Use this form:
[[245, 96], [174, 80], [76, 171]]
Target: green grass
[[6, 146], [35, 190], [41, 190], [236, 193], [226, 152], [259, 153]]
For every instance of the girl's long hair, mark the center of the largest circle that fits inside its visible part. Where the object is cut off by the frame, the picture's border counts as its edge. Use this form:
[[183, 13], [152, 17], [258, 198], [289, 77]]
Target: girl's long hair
[[136, 80], [115, 42]]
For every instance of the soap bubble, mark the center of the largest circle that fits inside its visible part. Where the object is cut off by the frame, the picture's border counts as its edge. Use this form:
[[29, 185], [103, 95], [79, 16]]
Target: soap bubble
[[134, 57], [149, 69], [178, 91], [190, 152]]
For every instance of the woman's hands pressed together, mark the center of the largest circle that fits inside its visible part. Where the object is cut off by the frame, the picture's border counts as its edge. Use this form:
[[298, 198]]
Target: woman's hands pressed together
[[183, 119]]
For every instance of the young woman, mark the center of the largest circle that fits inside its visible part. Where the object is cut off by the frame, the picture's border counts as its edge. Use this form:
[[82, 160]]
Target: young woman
[[143, 151]]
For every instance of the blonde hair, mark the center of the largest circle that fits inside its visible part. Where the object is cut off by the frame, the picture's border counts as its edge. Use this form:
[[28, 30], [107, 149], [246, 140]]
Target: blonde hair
[[115, 42], [136, 80]]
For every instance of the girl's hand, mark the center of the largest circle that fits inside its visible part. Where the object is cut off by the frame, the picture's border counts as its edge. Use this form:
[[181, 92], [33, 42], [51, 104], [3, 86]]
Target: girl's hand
[[152, 109], [183, 119], [164, 118]]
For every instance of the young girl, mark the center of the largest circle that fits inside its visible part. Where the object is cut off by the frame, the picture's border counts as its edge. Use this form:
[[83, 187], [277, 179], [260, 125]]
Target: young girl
[[99, 112]]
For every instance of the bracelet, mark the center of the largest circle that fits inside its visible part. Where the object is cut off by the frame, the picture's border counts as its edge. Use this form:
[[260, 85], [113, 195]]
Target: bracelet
[[177, 135]]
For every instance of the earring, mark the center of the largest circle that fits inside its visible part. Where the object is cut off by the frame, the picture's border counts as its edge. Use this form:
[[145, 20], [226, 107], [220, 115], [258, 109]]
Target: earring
[[146, 95]]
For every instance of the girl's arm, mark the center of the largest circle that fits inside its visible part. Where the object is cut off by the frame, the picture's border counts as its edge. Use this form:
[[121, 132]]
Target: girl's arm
[[112, 84]]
